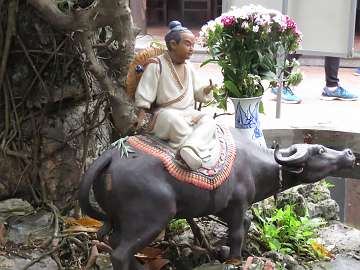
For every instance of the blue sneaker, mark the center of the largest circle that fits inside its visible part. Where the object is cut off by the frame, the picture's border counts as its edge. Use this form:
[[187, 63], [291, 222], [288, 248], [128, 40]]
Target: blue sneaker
[[339, 93], [287, 95], [357, 72]]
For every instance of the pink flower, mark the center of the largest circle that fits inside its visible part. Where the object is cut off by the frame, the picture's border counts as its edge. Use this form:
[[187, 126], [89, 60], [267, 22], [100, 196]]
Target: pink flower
[[290, 24], [228, 20]]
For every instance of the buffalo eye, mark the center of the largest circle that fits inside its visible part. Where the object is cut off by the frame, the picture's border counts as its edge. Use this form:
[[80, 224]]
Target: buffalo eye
[[322, 150]]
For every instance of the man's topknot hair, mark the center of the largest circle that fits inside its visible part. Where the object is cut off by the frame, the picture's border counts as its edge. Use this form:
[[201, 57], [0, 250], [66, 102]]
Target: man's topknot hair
[[175, 28]]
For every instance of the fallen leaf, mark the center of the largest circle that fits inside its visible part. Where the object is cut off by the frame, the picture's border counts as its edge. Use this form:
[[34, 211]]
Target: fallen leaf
[[79, 228], [149, 253], [233, 261], [84, 221], [319, 248], [151, 257], [156, 264], [84, 224]]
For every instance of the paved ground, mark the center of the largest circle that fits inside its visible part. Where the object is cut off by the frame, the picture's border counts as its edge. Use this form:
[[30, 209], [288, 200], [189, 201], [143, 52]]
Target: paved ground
[[312, 112]]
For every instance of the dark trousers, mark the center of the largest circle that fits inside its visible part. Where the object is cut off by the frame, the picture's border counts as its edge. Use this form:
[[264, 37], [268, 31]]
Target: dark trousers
[[331, 66], [331, 71]]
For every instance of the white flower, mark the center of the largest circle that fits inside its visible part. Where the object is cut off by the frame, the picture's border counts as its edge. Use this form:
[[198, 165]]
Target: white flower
[[218, 19], [266, 18], [204, 29], [211, 24], [245, 25], [280, 19], [255, 28]]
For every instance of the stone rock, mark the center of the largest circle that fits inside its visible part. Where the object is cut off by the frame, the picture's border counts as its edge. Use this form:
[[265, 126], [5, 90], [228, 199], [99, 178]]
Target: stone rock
[[103, 262], [297, 267], [340, 263], [275, 256], [185, 238], [266, 205], [327, 209], [14, 207], [295, 199], [341, 237], [290, 262], [12, 263], [316, 192], [318, 201], [25, 229], [211, 266], [11, 180]]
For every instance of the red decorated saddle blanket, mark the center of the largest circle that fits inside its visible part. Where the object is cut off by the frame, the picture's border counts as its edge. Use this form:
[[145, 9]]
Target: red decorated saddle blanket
[[205, 177]]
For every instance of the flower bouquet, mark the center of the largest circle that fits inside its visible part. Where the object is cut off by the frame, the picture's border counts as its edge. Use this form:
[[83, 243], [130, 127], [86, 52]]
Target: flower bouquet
[[251, 44]]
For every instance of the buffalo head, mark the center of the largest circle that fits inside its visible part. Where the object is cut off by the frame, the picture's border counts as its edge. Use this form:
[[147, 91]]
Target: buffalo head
[[313, 162]]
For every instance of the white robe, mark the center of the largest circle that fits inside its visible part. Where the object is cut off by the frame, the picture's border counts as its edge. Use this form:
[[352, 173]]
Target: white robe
[[174, 120]]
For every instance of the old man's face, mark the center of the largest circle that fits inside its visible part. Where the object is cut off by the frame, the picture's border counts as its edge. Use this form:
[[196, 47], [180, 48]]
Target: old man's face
[[184, 49]]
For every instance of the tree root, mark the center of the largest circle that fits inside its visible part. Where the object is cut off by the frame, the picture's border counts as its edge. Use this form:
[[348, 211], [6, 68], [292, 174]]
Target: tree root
[[44, 255], [38, 76], [199, 235], [10, 32], [31, 85]]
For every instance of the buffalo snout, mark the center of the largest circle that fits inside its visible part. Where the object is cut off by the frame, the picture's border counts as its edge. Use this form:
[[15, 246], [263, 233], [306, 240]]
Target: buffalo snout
[[349, 157]]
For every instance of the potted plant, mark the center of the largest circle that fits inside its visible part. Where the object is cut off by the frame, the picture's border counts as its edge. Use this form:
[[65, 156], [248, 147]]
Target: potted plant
[[251, 45]]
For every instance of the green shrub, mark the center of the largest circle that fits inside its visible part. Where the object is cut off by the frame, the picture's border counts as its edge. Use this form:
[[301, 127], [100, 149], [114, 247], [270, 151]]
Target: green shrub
[[178, 225], [285, 232]]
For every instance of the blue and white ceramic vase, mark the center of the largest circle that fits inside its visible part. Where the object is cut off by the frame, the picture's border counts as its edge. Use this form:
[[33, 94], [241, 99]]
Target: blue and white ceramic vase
[[247, 119]]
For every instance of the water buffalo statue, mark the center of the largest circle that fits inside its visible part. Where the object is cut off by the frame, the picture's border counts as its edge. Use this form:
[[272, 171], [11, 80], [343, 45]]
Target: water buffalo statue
[[140, 197]]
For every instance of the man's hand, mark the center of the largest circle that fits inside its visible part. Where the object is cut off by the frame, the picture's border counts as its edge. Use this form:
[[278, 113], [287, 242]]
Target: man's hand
[[140, 118], [209, 88]]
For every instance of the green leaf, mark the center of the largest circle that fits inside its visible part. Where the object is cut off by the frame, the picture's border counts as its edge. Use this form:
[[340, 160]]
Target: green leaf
[[261, 107], [207, 62], [269, 75], [233, 89]]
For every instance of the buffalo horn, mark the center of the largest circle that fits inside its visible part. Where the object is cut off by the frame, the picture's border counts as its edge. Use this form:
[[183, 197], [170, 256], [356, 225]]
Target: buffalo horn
[[294, 155]]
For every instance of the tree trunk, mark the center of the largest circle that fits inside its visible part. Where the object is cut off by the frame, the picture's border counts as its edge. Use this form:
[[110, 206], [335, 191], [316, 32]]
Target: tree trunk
[[55, 114]]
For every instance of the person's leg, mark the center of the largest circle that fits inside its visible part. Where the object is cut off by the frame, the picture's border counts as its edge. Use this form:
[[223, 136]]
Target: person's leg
[[331, 66], [287, 95], [171, 126], [357, 31], [198, 146], [332, 90]]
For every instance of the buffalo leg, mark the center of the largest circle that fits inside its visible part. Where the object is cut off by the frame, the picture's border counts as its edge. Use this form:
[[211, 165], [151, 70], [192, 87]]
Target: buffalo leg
[[132, 234], [247, 223], [235, 220]]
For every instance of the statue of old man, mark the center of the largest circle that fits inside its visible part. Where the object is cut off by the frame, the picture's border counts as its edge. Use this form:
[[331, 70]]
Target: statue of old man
[[169, 88]]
